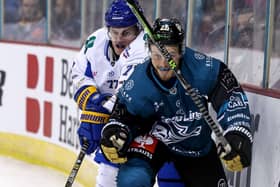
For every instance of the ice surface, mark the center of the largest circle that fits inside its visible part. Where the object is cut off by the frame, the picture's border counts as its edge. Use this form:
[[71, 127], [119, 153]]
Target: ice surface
[[14, 173]]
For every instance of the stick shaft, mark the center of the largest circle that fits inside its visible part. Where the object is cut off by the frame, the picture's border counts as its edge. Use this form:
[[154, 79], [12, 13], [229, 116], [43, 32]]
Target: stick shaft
[[191, 92], [77, 165]]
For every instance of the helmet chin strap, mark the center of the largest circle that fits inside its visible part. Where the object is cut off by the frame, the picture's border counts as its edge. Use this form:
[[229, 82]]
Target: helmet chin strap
[[112, 55]]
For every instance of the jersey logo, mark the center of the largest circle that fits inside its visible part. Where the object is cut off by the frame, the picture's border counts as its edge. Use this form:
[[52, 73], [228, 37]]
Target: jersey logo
[[146, 142], [180, 110], [129, 85], [237, 101], [169, 131], [89, 43], [228, 81], [111, 73], [144, 145], [199, 56], [209, 61], [173, 91], [222, 183], [158, 105]]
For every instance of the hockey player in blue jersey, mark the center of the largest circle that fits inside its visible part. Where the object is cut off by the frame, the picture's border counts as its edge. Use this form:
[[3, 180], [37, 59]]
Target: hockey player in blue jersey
[[101, 66], [152, 100]]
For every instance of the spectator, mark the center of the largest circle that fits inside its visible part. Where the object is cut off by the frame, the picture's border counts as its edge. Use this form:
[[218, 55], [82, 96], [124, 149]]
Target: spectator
[[31, 25], [205, 27], [11, 10], [209, 30], [245, 37], [65, 22], [219, 10]]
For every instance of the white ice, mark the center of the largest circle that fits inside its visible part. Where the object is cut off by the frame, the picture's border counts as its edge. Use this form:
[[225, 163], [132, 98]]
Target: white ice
[[14, 173]]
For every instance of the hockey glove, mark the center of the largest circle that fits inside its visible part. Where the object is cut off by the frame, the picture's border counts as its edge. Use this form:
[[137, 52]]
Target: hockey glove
[[115, 139], [241, 141], [88, 98], [90, 129], [87, 133]]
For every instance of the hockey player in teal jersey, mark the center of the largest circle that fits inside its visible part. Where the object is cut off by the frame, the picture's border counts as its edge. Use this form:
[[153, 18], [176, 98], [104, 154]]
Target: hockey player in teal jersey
[[153, 100]]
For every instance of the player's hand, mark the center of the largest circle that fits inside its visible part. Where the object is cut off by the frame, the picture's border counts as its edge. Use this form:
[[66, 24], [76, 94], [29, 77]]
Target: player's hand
[[96, 101], [89, 98], [91, 133], [111, 153], [90, 128], [115, 139], [240, 140]]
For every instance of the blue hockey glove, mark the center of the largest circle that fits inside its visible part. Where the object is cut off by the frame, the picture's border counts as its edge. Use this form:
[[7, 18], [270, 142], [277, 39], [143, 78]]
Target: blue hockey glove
[[96, 101], [91, 133], [241, 141], [90, 128]]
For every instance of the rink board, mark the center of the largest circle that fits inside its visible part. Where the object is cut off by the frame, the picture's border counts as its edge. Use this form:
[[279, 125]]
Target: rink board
[[39, 118]]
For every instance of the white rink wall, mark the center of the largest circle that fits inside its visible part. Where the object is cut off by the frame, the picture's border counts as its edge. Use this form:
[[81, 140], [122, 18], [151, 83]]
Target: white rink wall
[[266, 148], [39, 119]]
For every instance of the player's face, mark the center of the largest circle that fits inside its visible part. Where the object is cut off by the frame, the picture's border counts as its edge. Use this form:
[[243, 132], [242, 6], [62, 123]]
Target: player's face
[[121, 37], [160, 63]]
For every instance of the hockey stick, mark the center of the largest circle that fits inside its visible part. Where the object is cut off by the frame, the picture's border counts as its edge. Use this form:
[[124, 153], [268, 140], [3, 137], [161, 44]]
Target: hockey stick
[[77, 165], [194, 96]]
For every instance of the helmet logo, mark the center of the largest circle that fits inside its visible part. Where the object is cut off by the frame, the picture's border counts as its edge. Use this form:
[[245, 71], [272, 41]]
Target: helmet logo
[[164, 27]]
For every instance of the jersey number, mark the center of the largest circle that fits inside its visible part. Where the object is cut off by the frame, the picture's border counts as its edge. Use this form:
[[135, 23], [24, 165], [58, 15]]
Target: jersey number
[[113, 84], [129, 67]]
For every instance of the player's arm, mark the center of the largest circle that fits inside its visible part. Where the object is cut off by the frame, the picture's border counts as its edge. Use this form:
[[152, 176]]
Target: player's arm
[[89, 100], [93, 116], [231, 104]]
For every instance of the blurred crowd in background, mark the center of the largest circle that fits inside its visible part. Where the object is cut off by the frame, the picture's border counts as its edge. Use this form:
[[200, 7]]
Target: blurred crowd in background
[[67, 23]]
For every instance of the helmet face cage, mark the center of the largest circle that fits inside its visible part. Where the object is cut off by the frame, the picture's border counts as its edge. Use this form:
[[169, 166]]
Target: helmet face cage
[[119, 15], [168, 31]]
